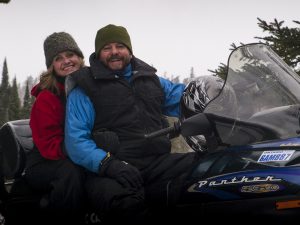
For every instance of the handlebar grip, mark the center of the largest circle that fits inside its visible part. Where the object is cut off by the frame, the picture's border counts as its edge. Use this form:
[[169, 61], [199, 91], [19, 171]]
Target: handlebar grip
[[161, 132]]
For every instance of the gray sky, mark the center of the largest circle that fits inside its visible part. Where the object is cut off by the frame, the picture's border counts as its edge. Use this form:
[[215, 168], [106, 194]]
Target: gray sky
[[171, 35]]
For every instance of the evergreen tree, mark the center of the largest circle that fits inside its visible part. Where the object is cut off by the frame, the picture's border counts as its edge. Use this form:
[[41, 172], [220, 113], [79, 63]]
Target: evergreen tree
[[27, 102], [192, 74], [222, 69], [4, 1], [283, 40], [14, 106], [4, 94]]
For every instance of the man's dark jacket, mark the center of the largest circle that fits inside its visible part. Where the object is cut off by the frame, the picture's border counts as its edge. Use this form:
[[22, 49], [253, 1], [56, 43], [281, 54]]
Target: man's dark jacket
[[130, 109]]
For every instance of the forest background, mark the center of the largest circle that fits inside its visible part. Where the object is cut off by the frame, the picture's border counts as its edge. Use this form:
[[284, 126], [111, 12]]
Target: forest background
[[16, 101]]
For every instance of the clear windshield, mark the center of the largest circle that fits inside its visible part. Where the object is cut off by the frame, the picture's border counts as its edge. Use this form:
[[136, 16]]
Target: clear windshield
[[260, 98]]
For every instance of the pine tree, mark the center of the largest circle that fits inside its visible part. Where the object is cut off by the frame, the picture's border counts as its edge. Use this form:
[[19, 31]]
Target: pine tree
[[4, 94], [192, 74], [222, 69], [4, 1], [283, 40], [27, 102], [14, 105]]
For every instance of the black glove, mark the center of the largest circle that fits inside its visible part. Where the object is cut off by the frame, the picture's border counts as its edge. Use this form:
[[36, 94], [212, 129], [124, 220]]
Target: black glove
[[106, 140], [126, 174]]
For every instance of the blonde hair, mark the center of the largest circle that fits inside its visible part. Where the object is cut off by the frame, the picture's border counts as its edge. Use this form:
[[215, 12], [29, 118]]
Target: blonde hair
[[48, 79]]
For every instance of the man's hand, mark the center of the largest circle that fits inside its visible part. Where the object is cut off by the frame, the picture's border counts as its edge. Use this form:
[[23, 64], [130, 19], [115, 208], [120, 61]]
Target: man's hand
[[126, 174]]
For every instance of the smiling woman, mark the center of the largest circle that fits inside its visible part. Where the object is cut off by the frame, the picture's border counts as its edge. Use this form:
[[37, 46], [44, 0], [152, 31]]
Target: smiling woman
[[47, 167]]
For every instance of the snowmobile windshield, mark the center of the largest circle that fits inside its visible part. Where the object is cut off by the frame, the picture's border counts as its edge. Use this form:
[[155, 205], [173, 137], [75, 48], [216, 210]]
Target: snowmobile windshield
[[260, 99]]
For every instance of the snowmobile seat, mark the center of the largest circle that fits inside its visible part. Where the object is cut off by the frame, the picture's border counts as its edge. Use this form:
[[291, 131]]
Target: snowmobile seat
[[15, 143], [16, 196]]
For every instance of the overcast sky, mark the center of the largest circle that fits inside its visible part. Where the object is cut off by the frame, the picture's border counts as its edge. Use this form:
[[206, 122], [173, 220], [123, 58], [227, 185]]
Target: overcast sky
[[171, 35]]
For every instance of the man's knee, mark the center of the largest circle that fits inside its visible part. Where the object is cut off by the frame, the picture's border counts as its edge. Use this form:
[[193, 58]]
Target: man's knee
[[131, 201]]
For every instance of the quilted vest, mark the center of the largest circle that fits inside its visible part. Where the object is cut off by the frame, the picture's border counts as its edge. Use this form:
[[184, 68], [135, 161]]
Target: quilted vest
[[128, 109]]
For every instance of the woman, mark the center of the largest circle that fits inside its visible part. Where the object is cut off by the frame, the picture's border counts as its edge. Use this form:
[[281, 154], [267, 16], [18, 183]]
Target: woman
[[48, 169]]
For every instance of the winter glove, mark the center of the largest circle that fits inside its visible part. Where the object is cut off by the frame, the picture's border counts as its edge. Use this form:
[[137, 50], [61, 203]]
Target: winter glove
[[126, 174], [106, 140]]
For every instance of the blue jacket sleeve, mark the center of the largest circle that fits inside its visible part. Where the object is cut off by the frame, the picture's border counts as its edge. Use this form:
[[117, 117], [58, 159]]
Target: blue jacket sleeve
[[80, 116], [173, 93]]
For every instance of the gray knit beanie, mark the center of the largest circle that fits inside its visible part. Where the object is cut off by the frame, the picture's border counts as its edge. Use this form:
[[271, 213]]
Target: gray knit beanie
[[57, 43]]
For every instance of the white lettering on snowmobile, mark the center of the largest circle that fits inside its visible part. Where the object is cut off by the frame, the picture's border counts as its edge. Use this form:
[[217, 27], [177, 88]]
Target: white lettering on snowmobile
[[272, 156], [234, 180], [290, 144]]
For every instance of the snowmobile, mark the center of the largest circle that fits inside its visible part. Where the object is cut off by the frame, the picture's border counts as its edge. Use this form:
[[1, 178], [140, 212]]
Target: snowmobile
[[246, 134]]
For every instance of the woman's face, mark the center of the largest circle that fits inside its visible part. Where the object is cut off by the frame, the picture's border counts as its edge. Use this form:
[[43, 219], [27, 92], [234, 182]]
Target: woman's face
[[65, 63]]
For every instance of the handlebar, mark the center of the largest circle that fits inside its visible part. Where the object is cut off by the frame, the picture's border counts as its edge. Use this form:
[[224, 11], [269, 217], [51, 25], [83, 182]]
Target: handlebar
[[173, 131], [160, 132]]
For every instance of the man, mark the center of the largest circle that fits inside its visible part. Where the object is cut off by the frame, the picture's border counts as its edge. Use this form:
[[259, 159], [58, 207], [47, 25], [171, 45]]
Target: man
[[118, 99]]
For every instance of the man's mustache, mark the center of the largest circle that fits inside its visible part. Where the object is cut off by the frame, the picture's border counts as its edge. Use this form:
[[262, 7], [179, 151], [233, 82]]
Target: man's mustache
[[116, 57]]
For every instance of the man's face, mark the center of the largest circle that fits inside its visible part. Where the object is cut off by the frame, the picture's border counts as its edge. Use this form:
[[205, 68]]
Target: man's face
[[115, 56]]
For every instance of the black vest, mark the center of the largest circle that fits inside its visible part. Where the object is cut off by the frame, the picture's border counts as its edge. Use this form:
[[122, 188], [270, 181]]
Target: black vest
[[128, 109]]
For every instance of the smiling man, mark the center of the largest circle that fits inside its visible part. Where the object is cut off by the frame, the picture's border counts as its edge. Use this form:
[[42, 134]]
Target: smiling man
[[120, 98]]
